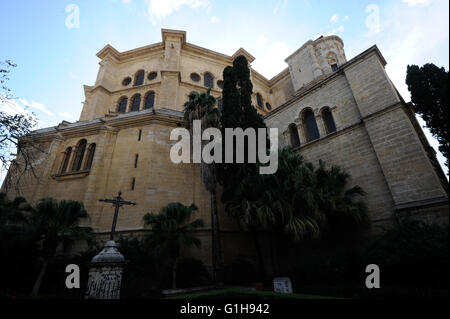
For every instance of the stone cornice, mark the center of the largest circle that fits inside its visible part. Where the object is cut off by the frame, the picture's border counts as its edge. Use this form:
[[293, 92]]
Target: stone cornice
[[162, 116], [127, 55]]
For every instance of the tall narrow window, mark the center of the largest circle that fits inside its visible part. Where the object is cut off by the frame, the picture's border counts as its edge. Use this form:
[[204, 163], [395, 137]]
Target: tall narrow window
[[139, 135], [79, 154], [122, 107], [309, 122], [139, 78], [90, 156], [295, 139], [328, 120], [149, 100], [259, 100], [136, 158], [135, 102], [208, 80], [133, 183], [66, 159]]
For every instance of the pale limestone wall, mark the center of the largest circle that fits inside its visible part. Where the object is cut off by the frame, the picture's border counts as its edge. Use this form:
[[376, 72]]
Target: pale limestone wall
[[375, 141], [336, 94], [282, 91], [349, 147], [314, 59]]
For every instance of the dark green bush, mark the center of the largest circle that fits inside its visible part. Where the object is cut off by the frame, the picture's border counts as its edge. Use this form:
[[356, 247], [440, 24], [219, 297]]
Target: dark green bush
[[241, 271], [192, 272]]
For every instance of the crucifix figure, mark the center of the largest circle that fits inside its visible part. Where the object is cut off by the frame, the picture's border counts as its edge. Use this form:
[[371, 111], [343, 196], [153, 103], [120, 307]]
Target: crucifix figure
[[117, 202]]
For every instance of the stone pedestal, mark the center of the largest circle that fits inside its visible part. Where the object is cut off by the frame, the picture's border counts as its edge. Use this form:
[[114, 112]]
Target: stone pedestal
[[105, 274]]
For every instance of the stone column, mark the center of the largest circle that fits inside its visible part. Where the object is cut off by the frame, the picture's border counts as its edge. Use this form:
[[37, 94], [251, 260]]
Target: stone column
[[320, 124], [105, 275]]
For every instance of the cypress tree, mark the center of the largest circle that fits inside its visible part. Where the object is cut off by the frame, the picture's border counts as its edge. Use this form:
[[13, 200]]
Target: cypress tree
[[238, 112]]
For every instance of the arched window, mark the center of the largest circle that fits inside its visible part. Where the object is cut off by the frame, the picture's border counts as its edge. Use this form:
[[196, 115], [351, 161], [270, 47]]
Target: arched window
[[309, 122], [208, 80], [90, 156], [332, 61], [66, 159], [139, 78], [122, 106], [79, 154], [149, 100], [295, 139], [135, 102], [259, 100], [328, 120]]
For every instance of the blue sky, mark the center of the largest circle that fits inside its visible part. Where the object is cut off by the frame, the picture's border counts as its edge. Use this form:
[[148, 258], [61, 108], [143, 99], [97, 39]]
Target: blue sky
[[56, 55]]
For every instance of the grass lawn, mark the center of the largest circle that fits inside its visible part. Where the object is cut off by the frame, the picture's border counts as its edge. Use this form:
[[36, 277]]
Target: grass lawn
[[231, 293]]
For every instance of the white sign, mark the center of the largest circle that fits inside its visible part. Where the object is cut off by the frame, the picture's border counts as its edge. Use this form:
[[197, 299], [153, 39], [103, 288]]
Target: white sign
[[282, 284]]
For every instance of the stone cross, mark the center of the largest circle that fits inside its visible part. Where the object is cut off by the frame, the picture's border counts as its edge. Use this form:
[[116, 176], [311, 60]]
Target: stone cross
[[117, 202]]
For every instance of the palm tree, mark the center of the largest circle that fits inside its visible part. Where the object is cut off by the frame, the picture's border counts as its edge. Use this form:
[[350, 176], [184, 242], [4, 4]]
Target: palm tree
[[13, 213], [171, 229], [56, 225], [298, 200], [202, 107]]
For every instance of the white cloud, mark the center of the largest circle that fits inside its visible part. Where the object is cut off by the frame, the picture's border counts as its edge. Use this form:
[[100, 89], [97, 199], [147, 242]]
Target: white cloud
[[36, 105], [159, 9], [16, 106], [413, 3], [345, 18], [281, 4], [337, 31], [126, 1], [270, 59], [65, 115], [334, 19], [214, 19], [262, 40]]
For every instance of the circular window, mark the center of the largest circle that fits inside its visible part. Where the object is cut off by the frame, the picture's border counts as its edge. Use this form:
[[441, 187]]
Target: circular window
[[268, 106], [220, 84], [195, 77], [126, 81], [152, 75]]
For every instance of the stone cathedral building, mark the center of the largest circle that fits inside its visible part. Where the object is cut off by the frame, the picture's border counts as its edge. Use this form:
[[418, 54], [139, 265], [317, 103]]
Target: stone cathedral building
[[344, 112]]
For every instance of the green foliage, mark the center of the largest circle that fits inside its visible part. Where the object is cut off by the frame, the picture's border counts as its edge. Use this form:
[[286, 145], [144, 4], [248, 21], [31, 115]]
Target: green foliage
[[29, 237], [171, 229], [57, 223], [299, 200], [237, 112], [412, 254], [145, 273], [192, 272], [240, 271], [201, 106], [429, 89]]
